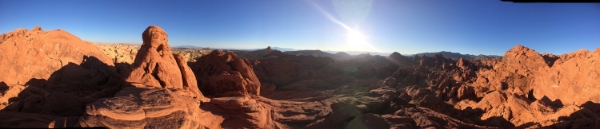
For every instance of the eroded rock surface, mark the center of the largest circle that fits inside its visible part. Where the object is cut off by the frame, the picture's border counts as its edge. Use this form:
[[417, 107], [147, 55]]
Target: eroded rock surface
[[158, 93], [143, 108], [572, 79], [50, 74], [223, 74], [125, 53], [161, 92], [28, 54]]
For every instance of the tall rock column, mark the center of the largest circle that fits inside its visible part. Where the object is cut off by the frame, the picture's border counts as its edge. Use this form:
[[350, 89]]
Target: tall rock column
[[154, 65]]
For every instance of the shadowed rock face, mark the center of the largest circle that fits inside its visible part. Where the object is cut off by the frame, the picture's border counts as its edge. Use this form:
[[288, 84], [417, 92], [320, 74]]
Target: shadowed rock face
[[223, 74]]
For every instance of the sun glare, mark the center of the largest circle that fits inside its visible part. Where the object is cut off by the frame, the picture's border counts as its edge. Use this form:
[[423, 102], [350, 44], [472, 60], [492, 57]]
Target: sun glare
[[355, 38]]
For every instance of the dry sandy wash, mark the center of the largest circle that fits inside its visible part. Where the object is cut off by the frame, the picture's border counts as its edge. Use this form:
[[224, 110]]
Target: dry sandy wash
[[54, 79]]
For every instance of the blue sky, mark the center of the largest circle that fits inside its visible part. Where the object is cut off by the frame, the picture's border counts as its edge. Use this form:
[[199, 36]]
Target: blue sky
[[406, 26]]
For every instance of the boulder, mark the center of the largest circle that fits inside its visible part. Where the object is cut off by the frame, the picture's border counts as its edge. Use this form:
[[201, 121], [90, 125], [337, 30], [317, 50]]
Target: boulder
[[221, 74]]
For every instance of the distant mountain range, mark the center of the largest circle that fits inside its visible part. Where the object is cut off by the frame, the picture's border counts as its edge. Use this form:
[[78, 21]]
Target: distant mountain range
[[456, 55], [247, 49], [333, 53]]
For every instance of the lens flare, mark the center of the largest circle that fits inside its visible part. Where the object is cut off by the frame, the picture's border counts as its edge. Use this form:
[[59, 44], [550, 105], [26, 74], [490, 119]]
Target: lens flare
[[354, 38]]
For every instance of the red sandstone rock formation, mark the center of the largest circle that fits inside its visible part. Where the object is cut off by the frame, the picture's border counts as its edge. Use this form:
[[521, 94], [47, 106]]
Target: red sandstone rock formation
[[51, 72], [222, 74], [37, 54], [154, 64], [572, 79], [159, 92]]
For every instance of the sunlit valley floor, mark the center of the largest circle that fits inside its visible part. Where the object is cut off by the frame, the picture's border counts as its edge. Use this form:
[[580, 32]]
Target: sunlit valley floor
[[54, 79]]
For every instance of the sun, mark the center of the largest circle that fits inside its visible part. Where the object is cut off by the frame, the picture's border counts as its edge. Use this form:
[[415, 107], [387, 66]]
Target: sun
[[355, 38]]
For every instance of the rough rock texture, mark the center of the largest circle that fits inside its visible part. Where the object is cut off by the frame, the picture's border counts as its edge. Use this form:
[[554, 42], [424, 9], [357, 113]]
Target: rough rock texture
[[37, 54], [158, 93], [48, 75], [125, 53], [190, 55], [120, 53], [189, 79], [51, 72], [143, 108], [572, 79], [154, 65], [223, 74]]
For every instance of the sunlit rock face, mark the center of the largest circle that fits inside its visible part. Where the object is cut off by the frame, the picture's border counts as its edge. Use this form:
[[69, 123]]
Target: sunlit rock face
[[42, 72]]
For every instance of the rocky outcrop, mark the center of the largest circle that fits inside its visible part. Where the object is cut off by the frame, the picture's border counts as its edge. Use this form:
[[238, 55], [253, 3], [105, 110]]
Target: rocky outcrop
[[515, 73], [125, 53], [189, 79], [191, 55], [243, 112], [221, 74], [120, 53], [399, 59], [572, 79], [159, 92], [155, 65], [143, 108], [52, 73], [38, 54]]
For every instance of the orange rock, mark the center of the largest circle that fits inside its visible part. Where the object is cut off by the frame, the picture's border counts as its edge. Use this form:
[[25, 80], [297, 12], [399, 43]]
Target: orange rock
[[222, 74], [573, 79], [154, 65], [38, 54]]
